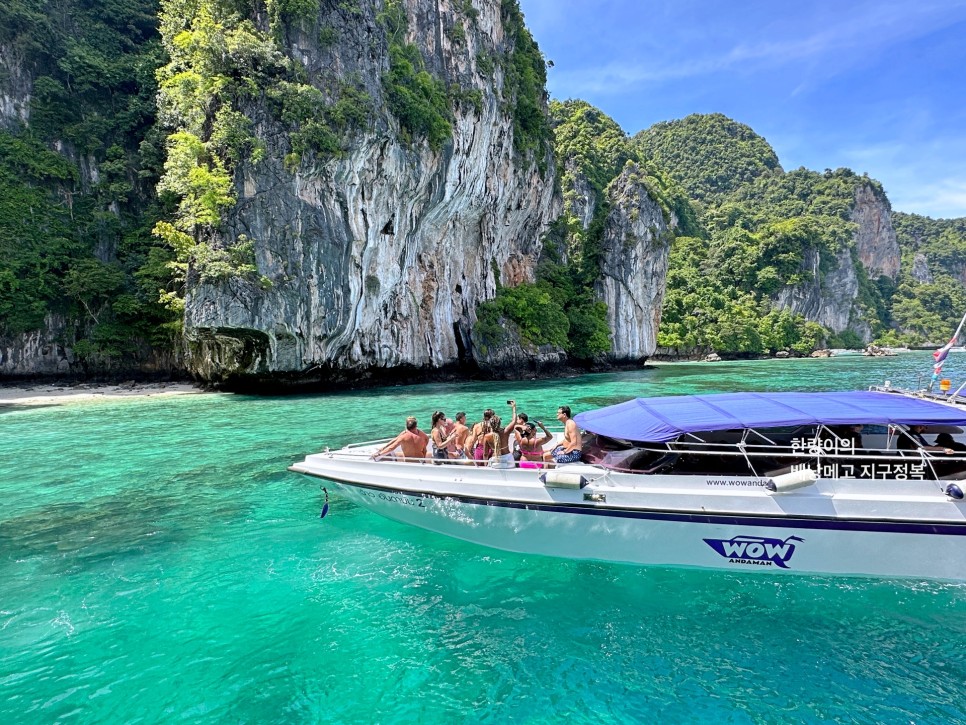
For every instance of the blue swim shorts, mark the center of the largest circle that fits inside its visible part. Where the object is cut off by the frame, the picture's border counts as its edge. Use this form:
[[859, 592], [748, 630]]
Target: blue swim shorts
[[560, 457]]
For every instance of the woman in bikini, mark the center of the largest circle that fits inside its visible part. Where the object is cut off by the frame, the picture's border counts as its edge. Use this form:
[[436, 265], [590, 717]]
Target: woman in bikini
[[474, 441], [440, 440], [491, 440], [531, 449]]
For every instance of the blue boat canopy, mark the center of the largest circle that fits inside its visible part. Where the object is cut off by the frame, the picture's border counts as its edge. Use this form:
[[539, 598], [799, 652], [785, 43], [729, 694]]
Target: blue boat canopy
[[665, 418]]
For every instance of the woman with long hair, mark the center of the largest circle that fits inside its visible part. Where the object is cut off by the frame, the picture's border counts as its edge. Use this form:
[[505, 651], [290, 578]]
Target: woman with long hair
[[440, 440]]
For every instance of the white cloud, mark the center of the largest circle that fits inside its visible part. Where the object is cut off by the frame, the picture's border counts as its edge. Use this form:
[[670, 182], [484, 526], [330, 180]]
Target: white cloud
[[941, 199], [927, 178]]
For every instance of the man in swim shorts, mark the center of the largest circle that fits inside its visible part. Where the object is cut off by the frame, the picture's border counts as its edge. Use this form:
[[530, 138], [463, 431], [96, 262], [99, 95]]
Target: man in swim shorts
[[569, 449]]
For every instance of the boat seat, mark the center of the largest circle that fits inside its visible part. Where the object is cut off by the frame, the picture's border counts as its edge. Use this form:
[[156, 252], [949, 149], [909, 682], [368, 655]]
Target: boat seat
[[663, 463]]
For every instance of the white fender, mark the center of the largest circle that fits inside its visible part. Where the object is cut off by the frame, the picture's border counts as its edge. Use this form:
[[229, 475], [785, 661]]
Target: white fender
[[791, 481]]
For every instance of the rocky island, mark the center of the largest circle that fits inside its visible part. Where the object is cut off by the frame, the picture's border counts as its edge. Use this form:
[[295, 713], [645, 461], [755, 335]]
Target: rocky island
[[321, 192]]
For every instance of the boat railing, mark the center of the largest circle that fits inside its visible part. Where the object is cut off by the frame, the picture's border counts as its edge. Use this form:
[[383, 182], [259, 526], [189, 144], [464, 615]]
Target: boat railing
[[957, 397], [697, 457]]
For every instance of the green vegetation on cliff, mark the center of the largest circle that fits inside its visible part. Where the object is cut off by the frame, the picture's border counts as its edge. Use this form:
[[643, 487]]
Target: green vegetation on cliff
[[224, 69], [73, 222], [418, 100], [525, 80], [930, 296], [708, 155], [762, 232]]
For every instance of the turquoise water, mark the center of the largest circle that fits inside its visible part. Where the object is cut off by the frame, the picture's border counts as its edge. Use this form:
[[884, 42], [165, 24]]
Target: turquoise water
[[159, 564]]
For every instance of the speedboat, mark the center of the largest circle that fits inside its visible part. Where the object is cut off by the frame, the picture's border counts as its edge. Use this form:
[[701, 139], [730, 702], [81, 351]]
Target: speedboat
[[763, 482]]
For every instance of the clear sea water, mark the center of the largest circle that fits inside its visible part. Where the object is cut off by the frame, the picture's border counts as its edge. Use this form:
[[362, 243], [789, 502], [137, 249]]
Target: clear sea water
[[159, 564]]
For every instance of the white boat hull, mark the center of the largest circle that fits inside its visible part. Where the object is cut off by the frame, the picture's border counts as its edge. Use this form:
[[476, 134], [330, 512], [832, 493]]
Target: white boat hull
[[833, 527]]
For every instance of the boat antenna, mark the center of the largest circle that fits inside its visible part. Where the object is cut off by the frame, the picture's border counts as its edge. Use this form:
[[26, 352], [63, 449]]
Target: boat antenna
[[940, 355]]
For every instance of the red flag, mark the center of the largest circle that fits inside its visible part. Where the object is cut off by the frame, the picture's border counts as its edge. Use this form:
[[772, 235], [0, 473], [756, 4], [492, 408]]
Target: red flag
[[940, 354]]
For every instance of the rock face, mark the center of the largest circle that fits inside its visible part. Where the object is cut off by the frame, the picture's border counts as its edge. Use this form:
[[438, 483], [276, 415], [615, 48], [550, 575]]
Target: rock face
[[514, 356], [581, 200], [635, 244], [920, 269], [378, 259], [34, 353], [831, 299], [49, 351], [16, 86], [875, 239]]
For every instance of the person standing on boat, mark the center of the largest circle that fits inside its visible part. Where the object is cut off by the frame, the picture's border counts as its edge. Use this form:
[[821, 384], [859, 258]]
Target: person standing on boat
[[457, 449], [412, 441], [441, 441], [502, 457], [518, 429], [569, 450], [914, 440], [474, 442], [491, 439]]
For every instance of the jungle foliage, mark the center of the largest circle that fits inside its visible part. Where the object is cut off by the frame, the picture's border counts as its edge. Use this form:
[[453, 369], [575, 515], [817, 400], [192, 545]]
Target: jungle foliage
[[929, 297], [74, 223], [763, 231], [708, 155]]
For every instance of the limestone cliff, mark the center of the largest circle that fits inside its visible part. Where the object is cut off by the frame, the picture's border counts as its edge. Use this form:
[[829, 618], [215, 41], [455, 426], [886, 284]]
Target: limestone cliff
[[614, 235], [79, 158], [16, 85], [831, 296], [920, 269], [875, 239], [38, 352], [634, 264], [49, 351], [377, 258]]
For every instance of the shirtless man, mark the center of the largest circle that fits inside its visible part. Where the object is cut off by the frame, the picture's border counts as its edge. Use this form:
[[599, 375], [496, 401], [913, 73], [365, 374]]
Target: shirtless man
[[412, 441], [570, 448], [461, 433]]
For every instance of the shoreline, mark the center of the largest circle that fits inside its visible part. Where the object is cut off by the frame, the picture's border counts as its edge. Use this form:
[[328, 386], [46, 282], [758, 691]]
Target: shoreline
[[27, 394]]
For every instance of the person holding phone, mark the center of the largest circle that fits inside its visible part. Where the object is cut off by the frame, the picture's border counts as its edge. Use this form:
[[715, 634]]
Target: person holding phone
[[502, 457]]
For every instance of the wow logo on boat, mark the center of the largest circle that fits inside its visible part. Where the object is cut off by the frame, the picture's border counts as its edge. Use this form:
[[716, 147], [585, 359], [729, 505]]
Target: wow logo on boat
[[755, 550]]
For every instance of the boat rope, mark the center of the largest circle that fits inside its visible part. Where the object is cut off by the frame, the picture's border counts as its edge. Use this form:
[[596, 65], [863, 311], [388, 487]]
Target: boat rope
[[325, 506]]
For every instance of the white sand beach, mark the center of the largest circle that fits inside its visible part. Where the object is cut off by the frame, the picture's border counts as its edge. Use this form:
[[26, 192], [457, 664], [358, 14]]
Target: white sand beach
[[46, 394]]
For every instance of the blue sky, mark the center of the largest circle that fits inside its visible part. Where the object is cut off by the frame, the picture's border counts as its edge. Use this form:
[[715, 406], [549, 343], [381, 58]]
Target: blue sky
[[879, 87]]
